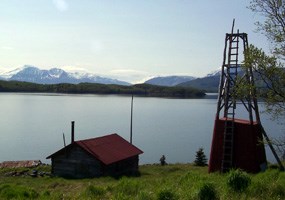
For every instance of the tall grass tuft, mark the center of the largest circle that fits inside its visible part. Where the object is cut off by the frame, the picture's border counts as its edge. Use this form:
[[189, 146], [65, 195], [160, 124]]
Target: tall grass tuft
[[121, 196], [128, 186], [166, 194], [94, 191], [270, 184], [144, 195], [238, 180], [207, 191], [17, 192]]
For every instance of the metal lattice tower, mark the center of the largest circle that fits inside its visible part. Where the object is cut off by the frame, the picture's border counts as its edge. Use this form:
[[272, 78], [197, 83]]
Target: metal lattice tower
[[236, 45]]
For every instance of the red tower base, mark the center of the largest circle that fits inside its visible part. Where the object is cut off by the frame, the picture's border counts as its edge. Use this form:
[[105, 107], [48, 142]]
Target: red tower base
[[248, 151]]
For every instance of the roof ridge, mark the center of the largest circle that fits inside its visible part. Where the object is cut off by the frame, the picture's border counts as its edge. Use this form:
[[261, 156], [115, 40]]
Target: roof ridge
[[97, 137]]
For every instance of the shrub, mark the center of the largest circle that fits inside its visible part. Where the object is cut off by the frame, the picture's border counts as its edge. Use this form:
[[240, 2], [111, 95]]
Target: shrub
[[166, 195], [162, 160], [273, 166], [238, 180], [207, 192], [201, 159]]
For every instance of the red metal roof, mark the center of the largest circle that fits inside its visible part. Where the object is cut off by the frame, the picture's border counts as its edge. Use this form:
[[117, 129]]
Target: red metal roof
[[108, 149]]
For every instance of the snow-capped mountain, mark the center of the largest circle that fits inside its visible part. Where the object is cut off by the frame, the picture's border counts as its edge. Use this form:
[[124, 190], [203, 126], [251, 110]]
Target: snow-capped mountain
[[54, 76], [4, 74], [210, 82], [216, 72]]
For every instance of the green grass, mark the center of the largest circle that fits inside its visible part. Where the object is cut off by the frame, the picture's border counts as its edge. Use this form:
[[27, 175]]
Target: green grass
[[170, 182]]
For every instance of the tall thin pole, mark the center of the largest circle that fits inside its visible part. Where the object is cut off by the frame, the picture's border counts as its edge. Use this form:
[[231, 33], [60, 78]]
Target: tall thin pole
[[233, 25], [72, 131], [131, 128], [63, 139]]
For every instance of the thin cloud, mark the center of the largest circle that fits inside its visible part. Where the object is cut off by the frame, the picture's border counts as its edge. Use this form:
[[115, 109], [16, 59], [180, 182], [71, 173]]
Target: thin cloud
[[133, 75], [61, 5], [7, 48], [128, 71]]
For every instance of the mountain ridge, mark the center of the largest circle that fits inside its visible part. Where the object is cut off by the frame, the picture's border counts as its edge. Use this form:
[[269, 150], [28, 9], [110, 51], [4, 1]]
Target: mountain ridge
[[169, 80], [29, 73], [33, 74], [209, 83]]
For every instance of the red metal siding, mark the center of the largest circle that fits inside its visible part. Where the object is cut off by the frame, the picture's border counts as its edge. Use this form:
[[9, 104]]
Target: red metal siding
[[249, 153]]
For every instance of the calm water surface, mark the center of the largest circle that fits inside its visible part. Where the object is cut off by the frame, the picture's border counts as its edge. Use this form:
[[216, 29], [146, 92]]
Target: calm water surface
[[32, 125]]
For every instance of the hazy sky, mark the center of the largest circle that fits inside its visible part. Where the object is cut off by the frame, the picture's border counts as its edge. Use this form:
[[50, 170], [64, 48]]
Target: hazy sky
[[125, 39]]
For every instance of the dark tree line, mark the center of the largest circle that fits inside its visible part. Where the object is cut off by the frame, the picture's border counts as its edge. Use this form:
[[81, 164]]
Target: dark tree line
[[94, 88]]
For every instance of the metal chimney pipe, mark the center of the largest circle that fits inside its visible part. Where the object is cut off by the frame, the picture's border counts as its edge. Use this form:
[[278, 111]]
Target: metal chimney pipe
[[72, 131]]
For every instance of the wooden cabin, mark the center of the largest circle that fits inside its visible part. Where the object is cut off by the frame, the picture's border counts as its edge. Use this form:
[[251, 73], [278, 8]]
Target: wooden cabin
[[110, 155]]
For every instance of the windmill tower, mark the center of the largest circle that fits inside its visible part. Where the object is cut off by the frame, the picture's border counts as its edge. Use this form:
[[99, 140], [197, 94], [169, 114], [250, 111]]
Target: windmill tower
[[236, 142]]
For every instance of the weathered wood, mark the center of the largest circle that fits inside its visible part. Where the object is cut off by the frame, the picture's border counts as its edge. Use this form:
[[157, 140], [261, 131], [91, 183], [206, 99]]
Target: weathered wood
[[125, 167], [75, 163], [110, 155]]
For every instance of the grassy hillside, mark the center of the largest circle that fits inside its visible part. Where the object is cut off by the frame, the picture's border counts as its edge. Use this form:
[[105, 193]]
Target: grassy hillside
[[93, 88], [175, 181]]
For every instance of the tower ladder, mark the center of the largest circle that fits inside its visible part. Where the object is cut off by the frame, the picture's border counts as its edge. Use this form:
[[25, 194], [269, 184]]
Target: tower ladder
[[230, 100]]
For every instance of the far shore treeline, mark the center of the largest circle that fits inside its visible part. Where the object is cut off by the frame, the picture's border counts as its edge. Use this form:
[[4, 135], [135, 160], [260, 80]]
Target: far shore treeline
[[95, 88]]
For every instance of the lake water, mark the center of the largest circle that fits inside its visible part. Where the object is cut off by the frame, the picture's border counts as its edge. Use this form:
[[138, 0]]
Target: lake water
[[32, 125]]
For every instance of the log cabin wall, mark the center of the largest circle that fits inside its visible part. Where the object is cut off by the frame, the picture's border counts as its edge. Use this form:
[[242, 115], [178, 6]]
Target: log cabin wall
[[124, 167], [75, 163]]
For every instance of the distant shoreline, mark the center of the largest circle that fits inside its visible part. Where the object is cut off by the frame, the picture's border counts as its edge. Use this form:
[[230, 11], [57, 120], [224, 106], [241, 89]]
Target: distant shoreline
[[143, 90]]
